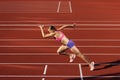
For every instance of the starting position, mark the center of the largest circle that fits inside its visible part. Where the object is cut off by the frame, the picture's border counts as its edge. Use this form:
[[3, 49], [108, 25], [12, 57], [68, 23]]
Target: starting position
[[66, 43]]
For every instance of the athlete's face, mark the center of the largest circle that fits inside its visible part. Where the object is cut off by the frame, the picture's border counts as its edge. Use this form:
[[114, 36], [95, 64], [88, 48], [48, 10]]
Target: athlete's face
[[50, 31]]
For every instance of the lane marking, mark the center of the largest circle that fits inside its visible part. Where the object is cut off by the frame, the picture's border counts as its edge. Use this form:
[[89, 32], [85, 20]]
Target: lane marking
[[65, 29], [55, 63], [27, 40], [63, 21], [13, 46], [31, 12], [55, 54], [97, 25], [43, 78], [43, 64], [70, 6], [45, 71], [80, 69], [54, 76], [54, 40], [59, 5]]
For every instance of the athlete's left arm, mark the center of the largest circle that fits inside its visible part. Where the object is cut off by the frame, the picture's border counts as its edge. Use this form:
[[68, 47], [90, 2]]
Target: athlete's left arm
[[66, 26]]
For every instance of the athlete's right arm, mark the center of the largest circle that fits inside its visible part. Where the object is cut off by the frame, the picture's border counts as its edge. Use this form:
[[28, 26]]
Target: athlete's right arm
[[66, 26], [43, 34]]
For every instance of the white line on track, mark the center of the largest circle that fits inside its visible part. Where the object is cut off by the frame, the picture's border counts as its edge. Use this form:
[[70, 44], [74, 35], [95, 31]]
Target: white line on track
[[55, 63], [45, 71], [65, 29], [97, 25], [59, 5], [54, 76], [43, 78], [31, 12], [72, 21], [54, 40], [43, 64], [101, 76], [55, 54], [80, 69], [70, 6], [13, 46], [27, 40]]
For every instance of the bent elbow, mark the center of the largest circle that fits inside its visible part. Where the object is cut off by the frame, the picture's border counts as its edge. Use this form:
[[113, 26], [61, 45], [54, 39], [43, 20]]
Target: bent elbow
[[44, 37]]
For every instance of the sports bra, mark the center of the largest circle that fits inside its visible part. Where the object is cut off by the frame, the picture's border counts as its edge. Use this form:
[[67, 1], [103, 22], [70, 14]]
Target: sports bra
[[60, 37]]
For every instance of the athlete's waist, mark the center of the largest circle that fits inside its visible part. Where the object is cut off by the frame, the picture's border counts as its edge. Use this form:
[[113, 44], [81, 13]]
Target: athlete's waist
[[65, 42]]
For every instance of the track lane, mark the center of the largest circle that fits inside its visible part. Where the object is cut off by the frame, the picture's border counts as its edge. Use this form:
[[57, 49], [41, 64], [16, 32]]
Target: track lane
[[21, 78], [55, 59], [54, 43], [6, 34], [54, 49], [96, 13], [21, 69]]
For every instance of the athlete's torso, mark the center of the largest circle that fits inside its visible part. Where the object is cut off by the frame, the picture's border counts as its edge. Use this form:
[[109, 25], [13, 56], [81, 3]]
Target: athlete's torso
[[60, 36]]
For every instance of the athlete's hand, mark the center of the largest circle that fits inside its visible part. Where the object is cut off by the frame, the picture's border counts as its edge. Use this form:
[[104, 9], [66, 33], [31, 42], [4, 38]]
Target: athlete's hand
[[41, 26], [74, 25]]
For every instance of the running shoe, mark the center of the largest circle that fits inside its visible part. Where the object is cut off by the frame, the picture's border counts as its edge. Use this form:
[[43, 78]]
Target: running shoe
[[72, 57], [92, 66]]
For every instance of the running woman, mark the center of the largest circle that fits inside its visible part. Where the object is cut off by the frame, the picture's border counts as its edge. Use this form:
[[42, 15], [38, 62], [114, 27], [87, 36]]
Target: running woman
[[66, 43]]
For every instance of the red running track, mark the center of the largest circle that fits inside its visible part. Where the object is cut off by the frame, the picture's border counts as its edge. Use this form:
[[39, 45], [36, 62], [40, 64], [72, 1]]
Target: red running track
[[24, 54]]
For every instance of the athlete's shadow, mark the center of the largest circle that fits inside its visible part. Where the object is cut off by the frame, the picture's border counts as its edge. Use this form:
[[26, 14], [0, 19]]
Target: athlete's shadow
[[99, 77], [108, 64]]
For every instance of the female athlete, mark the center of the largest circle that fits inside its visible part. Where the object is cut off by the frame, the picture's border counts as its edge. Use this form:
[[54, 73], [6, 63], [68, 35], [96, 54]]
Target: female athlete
[[66, 43]]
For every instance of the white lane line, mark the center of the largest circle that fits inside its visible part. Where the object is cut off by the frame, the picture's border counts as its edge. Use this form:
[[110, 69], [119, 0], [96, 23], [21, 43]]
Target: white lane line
[[13, 46], [97, 25], [65, 29], [55, 54], [73, 21], [54, 40], [31, 12], [27, 40], [59, 76], [42, 64], [80, 69], [22, 54], [102, 54], [70, 6], [55, 63], [45, 71], [59, 5], [43, 78]]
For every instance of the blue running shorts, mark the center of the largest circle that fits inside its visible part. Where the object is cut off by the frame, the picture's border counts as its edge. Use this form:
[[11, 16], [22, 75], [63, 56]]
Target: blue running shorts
[[70, 44]]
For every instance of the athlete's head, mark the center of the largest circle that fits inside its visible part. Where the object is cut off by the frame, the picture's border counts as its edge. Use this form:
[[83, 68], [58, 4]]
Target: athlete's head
[[52, 29]]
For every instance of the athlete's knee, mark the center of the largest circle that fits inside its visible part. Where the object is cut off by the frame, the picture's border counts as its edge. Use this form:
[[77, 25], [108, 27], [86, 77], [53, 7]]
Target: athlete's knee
[[60, 52]]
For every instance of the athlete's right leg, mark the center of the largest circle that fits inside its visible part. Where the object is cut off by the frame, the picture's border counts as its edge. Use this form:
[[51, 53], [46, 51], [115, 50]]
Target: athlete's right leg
[[79, 54], [62, 50]]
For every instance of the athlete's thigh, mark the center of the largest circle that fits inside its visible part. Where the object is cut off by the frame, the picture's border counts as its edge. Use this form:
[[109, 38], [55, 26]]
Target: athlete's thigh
[[62, 48]]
